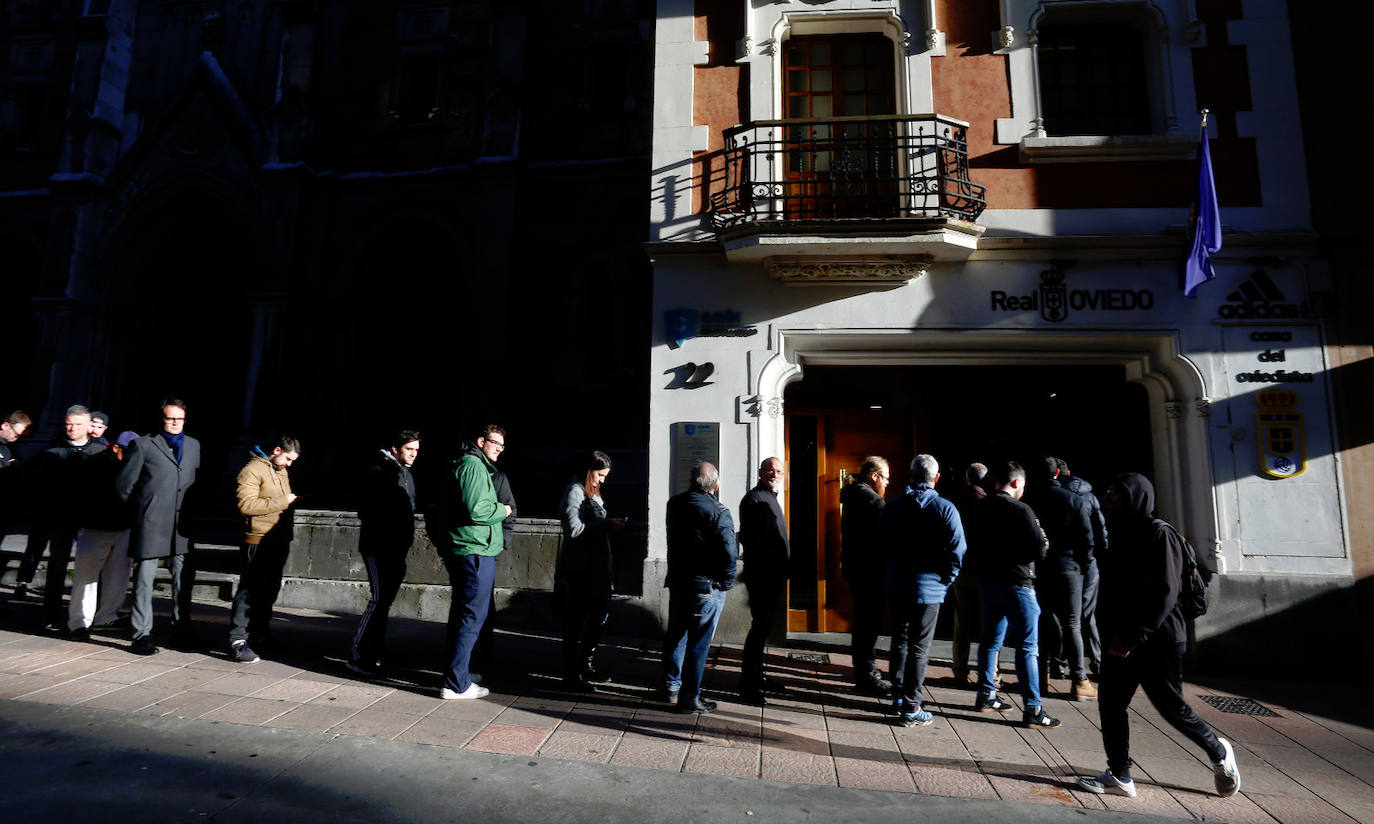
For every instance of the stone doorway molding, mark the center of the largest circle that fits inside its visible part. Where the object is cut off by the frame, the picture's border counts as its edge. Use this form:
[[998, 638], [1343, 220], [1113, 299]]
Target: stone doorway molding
[[1177, 392]]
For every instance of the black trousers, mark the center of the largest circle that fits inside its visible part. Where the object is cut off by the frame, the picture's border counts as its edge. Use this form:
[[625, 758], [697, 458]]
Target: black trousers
[[764, 599], [385, 573], [868, 622], [1156, 667], [60, 538], [913, 628], [259, 585], [1059, 586], [584, 612]]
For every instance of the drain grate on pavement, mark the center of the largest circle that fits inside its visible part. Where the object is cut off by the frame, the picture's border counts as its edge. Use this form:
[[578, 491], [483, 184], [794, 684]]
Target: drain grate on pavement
[[1240, 706], [809, 657]]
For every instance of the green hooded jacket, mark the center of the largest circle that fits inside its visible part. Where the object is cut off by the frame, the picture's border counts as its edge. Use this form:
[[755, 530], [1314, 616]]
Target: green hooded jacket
[[475, 516]]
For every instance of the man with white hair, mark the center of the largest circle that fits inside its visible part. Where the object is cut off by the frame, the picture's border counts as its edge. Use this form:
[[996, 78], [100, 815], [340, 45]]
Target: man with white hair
[[922, 537], [701, 569]]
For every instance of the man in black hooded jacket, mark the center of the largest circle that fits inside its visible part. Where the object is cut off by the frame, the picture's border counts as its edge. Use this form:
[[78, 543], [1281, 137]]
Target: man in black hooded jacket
[[1144, 629]]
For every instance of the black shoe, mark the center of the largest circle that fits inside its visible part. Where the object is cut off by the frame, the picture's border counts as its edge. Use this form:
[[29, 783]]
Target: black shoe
[[700, 706], [79, 634], [1036, 717], [753, 698], [665, 694], [21, 590], [774, 687], [592, 674], [366, 668], [144, 646], [876, 686], [993, 704]]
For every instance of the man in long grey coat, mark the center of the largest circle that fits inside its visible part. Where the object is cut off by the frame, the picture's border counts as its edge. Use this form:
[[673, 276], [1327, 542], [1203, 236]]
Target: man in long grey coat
[[156, 474]]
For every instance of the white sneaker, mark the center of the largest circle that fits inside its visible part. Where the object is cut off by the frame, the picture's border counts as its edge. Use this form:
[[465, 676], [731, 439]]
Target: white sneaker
[[473, 691], [1227, 773], [1108, 784]]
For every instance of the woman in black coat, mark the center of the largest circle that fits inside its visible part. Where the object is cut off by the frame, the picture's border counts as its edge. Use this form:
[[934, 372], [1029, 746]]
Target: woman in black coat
[[582, 577]]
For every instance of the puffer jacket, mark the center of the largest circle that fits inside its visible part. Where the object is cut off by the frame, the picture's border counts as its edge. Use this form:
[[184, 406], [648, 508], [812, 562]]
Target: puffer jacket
[[263, 496]]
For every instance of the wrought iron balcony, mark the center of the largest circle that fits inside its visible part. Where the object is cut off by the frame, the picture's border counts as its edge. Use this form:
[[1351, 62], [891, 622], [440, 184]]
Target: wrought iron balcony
[[843, 169]]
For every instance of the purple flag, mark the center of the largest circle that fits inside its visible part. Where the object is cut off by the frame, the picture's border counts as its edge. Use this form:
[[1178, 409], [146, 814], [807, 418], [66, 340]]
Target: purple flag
[[1204, 223]]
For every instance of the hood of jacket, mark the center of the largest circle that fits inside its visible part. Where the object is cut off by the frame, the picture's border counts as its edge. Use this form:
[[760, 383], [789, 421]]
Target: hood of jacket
[[923, 493], [1140, 494], [1077, 485], [471, 448]]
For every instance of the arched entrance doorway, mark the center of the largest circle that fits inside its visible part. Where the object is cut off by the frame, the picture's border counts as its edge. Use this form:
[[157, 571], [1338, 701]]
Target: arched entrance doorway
[[1106, 403]]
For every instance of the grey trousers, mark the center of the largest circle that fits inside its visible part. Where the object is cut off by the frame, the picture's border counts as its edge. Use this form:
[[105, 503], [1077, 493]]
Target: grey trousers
[[183, 573]]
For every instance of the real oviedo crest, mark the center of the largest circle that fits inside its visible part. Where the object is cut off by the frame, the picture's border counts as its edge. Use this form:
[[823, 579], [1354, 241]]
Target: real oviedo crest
[[1280, 436], [1054, 296]]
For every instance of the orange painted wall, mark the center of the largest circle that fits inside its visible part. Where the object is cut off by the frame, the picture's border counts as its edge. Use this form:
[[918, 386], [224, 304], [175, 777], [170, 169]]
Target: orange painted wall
[[971, 84], [719, 91]]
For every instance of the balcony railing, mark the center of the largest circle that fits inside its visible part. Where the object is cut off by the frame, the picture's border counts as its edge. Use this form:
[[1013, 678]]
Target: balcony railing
[[844, 169]]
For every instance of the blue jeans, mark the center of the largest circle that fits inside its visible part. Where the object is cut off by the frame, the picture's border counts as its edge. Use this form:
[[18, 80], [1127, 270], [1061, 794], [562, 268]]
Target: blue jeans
[[692, 618], [1010, 613], [472, 578]]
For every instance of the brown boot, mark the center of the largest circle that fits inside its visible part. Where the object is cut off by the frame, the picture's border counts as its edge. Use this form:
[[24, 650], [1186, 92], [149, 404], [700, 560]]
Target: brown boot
[[1084, 690]]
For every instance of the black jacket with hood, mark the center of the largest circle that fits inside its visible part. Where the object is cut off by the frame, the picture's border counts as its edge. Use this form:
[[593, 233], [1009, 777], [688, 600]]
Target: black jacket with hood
[[1141, 573]]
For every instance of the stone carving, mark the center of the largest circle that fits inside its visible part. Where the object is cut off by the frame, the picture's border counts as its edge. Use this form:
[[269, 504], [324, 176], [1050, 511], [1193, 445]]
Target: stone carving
[[774, 407], [848, 271], [1173, 410], [1006, 38], [1204, 407]]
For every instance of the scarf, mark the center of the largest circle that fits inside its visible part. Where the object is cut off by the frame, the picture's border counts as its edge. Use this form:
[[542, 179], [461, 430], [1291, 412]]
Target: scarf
[[175, 442]]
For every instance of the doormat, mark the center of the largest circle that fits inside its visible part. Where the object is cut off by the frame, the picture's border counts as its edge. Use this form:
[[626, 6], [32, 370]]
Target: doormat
[[1240, 706], [809, 657]]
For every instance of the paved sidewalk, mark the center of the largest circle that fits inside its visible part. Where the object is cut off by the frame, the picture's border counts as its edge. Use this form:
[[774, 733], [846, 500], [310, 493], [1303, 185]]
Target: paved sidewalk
[[1310, 763]]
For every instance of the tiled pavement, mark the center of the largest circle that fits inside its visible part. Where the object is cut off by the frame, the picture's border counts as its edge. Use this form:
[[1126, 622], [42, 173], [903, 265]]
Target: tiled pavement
[[1306, 765]]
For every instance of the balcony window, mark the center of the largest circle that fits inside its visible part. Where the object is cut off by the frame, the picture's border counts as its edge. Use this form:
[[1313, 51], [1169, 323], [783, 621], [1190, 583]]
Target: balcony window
[[839, 168]]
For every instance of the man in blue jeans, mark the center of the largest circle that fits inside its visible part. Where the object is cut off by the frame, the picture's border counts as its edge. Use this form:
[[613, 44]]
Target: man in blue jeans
[[1005, 541], [701, 568], [472, 518], [922, 537]]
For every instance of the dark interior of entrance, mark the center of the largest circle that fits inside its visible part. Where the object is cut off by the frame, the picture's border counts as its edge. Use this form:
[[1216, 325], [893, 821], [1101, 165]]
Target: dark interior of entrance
[[1090, 416]]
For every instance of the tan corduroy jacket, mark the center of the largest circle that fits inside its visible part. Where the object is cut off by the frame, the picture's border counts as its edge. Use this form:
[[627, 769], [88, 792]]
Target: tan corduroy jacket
[[263, 495]]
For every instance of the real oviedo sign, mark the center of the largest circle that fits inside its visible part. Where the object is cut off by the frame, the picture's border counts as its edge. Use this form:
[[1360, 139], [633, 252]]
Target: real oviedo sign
[[1055, 300]]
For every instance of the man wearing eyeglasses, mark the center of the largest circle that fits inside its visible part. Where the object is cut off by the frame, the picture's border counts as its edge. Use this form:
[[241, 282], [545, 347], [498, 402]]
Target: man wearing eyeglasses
[[861, 564], [157, 472], [472, 532]]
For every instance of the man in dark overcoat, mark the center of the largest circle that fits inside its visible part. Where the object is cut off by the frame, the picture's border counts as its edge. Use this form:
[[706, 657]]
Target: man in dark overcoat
[[157, 472]]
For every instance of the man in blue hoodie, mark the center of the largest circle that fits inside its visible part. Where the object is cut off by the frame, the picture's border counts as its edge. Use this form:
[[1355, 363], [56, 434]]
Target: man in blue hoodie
[[922, 538]]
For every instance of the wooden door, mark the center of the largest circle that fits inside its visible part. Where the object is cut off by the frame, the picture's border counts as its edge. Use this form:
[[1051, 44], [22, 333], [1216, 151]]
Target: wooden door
[[839, 169], [843, 439]]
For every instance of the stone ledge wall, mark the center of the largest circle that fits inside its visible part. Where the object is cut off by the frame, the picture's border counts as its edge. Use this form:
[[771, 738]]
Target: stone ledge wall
[[325, 571]]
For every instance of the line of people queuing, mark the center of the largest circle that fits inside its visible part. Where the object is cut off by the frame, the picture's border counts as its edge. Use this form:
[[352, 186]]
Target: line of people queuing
[[908, 552], [996, 555]]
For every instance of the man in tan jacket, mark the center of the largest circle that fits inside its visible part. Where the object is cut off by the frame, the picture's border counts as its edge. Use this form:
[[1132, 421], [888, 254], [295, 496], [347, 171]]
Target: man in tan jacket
[[264, 500]]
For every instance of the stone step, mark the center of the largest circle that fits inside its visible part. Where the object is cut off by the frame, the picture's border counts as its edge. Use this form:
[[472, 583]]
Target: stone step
[[213, 582]]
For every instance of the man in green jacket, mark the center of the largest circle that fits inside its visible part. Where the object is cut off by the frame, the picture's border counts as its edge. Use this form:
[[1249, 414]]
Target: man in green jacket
[[473, 519]]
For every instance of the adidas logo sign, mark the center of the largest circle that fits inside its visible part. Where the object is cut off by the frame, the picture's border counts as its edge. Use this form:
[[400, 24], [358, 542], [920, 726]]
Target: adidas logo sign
[[1260, 298]]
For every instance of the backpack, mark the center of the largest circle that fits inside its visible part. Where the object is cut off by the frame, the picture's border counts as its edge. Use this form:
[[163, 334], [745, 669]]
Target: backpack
[[1192, 595]]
